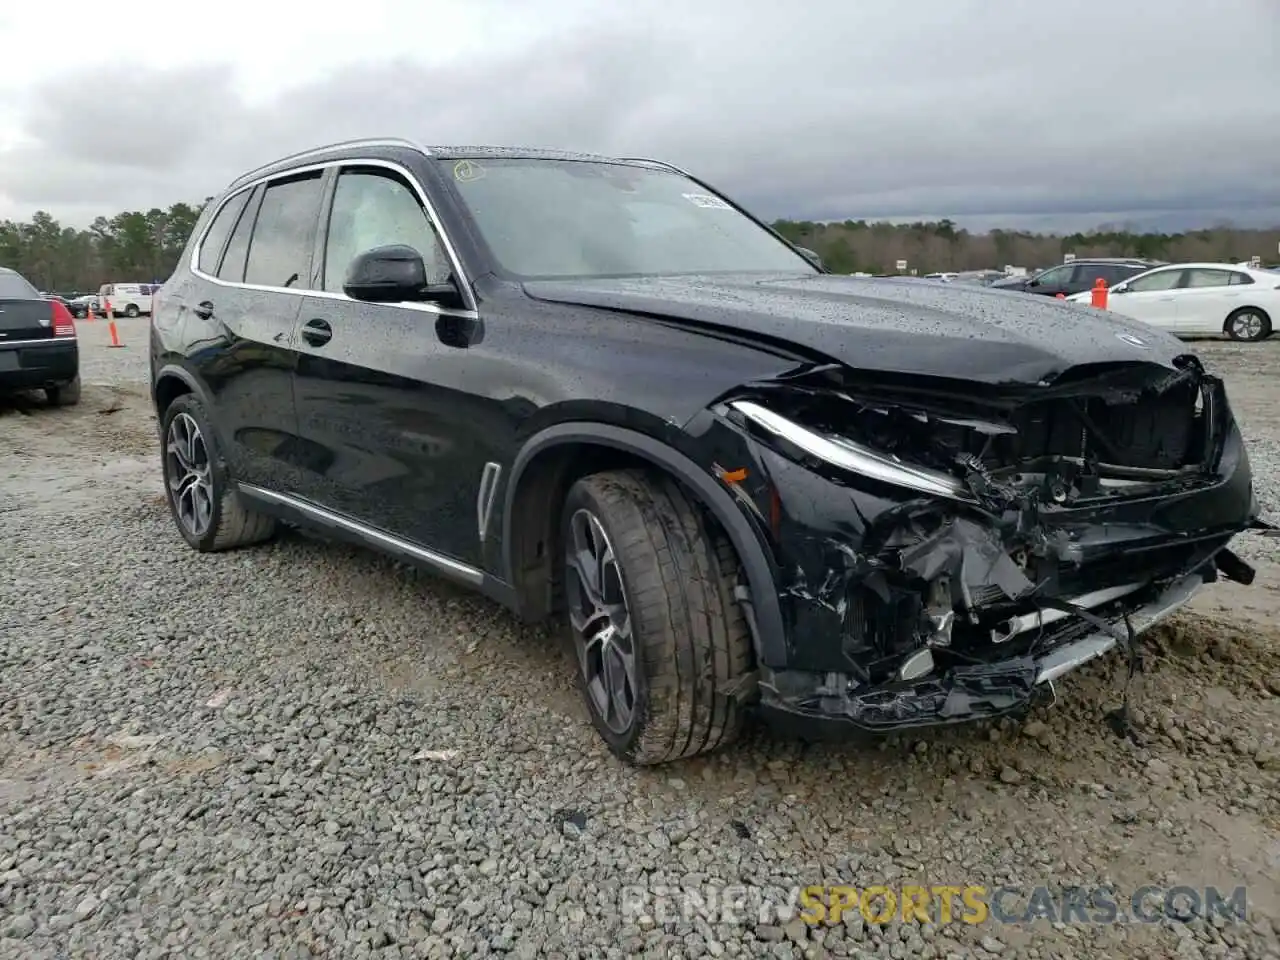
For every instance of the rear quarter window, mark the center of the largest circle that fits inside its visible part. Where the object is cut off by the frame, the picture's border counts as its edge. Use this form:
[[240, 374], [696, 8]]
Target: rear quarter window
[[215, 238]]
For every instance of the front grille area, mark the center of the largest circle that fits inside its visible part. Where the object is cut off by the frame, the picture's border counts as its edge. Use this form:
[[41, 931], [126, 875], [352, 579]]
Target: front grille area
[[1156, 432]]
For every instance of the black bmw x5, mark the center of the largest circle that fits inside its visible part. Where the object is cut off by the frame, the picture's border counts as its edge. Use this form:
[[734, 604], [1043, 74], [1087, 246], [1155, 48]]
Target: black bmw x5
[[598, 389]]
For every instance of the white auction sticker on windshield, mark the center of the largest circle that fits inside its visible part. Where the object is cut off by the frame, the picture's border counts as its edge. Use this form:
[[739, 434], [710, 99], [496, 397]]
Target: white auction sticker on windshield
[[707, 201]]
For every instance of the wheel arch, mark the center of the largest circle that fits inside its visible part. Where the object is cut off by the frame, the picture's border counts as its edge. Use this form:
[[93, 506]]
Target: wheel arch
[[554, 457], [172, 381]]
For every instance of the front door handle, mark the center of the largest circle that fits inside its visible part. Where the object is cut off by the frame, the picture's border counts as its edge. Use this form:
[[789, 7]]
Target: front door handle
[[203, 309], [317, 332]]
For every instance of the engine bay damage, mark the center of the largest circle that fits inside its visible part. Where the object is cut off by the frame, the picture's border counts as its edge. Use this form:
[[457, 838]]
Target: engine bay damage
[[946, 550]]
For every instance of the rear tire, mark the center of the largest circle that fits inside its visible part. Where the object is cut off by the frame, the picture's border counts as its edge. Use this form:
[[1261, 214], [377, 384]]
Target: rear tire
[[1247, 325], [208, 510], [669, 600], [131, 310], [64, 394]]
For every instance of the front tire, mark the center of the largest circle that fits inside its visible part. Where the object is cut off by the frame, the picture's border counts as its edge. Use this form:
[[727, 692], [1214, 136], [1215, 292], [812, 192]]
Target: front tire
[[206, 507], [131, 310], [657, 634], [64, 394], [1248, 325]]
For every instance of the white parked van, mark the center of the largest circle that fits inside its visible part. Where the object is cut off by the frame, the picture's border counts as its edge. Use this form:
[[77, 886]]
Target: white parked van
[[127, 299]]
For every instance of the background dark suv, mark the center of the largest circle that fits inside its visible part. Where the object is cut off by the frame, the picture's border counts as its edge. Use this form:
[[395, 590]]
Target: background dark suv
[[1077, 276], [598, 388]]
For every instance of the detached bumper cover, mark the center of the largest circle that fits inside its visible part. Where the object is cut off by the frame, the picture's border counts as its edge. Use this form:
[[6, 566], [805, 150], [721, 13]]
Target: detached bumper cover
[[975, 692]]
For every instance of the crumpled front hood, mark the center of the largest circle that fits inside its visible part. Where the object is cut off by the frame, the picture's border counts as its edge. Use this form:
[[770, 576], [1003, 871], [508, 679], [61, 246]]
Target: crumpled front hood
[[887, 325]]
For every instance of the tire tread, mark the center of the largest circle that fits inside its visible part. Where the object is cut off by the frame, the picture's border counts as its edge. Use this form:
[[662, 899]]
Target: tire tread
[[236, 524], [692, 638]]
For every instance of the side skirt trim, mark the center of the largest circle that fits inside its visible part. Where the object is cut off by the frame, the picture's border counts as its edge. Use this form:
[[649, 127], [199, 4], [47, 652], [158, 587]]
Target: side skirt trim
[[378, 539]]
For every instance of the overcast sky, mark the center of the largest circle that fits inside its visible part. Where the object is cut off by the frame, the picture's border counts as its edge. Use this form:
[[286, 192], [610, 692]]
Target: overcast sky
[[1005, 111]]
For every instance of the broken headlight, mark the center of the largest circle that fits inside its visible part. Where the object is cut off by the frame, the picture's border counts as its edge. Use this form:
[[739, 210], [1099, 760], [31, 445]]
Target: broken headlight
[[854, 457]]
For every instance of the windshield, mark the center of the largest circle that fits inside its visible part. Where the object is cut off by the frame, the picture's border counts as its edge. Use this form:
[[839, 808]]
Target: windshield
[[571, 218]]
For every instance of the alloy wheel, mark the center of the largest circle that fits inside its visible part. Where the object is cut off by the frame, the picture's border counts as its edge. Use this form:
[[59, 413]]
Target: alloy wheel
[[190, 484], [601, 622], [1247, 326]]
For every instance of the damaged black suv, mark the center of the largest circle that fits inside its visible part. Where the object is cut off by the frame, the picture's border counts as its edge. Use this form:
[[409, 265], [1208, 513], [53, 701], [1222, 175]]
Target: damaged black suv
[[598, 389]]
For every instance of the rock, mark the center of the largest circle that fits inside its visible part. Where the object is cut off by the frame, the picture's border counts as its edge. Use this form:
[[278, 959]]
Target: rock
[[20, 927], [86, 908], [1036, 730], [797, 931]]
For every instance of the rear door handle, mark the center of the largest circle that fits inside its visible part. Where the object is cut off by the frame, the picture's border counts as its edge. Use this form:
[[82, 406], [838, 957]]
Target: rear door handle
[[317, 332], [203, 309]]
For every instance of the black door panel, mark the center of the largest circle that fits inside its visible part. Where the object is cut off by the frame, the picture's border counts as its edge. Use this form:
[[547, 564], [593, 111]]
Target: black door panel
[[246, 335], [385, 393], [247, 363], [388, 424]]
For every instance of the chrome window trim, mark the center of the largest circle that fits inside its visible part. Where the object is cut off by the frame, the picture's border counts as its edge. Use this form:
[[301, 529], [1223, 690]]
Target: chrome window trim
[[658, 163], [193, 261], [363, 144]]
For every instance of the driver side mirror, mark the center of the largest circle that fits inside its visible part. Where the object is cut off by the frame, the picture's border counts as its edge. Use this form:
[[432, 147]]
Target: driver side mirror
[[393, 274], [1120, 288]]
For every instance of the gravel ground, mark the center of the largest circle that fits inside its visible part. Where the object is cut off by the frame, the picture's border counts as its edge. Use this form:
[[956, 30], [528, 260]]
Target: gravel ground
[[308, 750]]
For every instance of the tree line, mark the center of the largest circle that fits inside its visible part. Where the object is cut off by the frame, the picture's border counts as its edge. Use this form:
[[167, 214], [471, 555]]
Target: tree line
[[928, 247], [129, 247], [143, 246]]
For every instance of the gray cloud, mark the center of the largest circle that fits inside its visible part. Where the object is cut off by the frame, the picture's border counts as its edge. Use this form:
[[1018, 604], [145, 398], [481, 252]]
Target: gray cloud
[[1047, 116]]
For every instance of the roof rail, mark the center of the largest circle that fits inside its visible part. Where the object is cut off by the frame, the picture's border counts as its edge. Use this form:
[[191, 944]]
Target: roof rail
[[340, 145], [660, 163]]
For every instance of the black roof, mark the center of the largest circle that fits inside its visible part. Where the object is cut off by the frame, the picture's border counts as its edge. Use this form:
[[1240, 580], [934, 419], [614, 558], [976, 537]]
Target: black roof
[[520, 153], [1141, 261], [352, 148]]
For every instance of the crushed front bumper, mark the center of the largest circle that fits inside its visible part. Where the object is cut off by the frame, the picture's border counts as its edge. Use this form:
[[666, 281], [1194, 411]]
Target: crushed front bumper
[[967, 693], [908, 603]]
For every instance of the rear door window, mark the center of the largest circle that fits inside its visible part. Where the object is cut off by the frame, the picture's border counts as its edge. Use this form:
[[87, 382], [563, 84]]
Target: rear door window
[[1201, 277], [280, 249]]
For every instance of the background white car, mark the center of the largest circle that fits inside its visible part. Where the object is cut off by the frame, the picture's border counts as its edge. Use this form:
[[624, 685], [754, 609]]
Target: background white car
[[1200, 299]]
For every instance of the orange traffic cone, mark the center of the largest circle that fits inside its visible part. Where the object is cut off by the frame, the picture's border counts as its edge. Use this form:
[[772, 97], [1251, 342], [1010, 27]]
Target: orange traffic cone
[[115, 334], [1061, 296], [1099, 294]]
